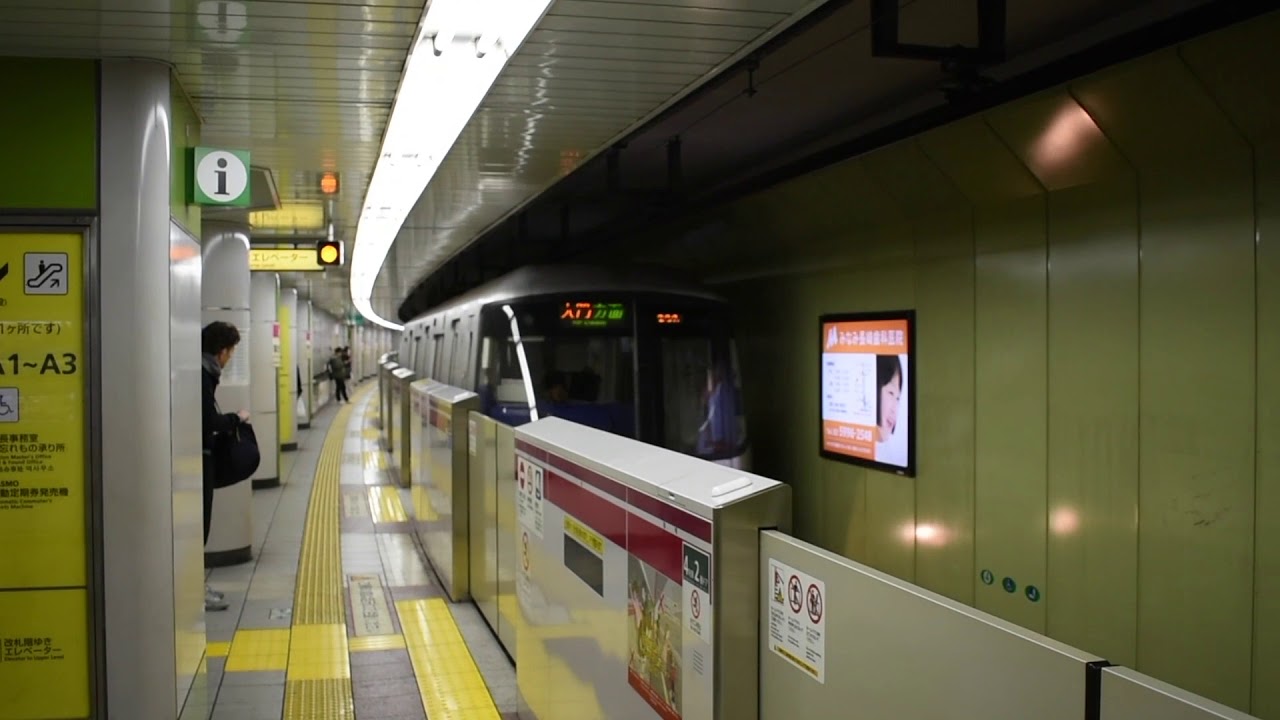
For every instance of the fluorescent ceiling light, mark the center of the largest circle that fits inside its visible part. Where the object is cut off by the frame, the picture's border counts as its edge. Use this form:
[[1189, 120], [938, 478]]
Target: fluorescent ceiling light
[[461, 47]]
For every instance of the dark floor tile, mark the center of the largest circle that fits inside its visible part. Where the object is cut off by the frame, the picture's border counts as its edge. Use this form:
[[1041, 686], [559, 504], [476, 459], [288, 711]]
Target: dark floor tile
[[378, 658], [395, 527], [409, 706]]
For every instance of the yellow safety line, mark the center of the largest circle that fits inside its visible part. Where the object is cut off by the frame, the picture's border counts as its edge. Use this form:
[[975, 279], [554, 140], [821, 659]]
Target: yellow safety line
[[318, 676], [451, 685], [384, 503], [376, 642], [258, 650], [218, 649]]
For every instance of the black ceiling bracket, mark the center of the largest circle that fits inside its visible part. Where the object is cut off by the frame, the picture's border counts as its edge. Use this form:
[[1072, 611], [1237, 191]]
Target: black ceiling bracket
[[613, 171], [961, 65], [753, 64], [675, 166]]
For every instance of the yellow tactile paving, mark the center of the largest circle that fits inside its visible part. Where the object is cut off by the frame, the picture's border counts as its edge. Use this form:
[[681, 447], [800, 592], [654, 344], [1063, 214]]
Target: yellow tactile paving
[[384, 503], [370, 434], [319, 652], [318, 677], [451, 685], [258, 650], [217, 649], [376, 642]]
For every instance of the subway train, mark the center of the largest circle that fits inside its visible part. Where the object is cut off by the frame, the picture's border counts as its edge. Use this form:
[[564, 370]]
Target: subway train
[[632, 351]]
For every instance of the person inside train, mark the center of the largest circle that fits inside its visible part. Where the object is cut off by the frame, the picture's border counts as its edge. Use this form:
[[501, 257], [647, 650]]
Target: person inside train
[[218, 340], [489, 389], [556, 387], [719, 430]]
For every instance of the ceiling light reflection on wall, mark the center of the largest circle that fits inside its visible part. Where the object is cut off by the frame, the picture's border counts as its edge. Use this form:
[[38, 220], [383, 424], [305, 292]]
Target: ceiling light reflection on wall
[[461, 47]]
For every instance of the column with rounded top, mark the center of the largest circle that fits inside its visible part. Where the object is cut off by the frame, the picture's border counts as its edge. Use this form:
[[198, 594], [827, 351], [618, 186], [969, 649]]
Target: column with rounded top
[[287, 315], [147, 430], [302, 343], [264, 290], [225, 296]]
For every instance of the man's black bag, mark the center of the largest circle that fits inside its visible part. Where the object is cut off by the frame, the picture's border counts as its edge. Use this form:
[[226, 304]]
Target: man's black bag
[[236, 456]]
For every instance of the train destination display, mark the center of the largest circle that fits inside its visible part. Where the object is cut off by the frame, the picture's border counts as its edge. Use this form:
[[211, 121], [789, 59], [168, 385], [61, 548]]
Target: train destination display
[[868, 390]]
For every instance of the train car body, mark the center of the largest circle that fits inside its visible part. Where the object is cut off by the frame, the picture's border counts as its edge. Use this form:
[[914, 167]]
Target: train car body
[[634, 352]]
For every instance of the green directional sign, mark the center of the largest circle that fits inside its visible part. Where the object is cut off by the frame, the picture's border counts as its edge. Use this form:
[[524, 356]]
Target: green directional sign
[[220, 177]]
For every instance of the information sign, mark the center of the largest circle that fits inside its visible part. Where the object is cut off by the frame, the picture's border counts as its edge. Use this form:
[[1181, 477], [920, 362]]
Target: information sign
[[44, 656], [283, 260], [697, 592], [220, 177], [798, 619]]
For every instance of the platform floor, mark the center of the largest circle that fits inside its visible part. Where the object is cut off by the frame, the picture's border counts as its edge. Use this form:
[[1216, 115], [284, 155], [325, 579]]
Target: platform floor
[[339, 615]]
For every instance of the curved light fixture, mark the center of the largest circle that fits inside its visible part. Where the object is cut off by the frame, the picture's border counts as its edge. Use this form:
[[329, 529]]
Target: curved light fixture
[[460, 48]]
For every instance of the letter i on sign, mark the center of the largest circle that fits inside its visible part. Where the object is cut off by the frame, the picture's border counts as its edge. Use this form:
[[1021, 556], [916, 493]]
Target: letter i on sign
[[221, 174]]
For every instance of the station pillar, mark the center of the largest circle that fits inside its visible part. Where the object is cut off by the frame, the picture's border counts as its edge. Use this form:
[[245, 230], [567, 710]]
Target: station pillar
[[264, 383], [302, 341], [287, 316], [145, 418], [225, 297]]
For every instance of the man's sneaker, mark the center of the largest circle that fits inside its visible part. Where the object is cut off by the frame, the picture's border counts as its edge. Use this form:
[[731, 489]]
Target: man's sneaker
[[210, 592], [213, 603]]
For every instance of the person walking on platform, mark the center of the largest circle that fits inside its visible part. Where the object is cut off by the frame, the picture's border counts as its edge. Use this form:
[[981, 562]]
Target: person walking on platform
[[218, 341], [339, 372]]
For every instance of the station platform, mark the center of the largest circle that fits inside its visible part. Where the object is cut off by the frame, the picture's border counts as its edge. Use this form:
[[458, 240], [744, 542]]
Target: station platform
[[339, 615]]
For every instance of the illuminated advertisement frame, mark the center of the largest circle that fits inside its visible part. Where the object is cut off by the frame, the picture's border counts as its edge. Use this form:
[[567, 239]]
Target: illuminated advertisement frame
[[829, 323]]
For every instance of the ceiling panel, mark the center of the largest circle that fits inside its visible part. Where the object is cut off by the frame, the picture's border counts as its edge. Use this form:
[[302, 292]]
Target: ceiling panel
[[305, 86], [590, 72], [308, 86]]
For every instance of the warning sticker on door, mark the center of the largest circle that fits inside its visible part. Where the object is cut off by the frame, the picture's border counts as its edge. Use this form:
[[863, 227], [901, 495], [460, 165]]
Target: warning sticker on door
[[697, 592], [797, 618], [529, 495]]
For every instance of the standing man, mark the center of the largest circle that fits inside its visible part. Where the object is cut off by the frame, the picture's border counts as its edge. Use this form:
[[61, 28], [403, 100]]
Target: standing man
[[218, 341], [339, 371]]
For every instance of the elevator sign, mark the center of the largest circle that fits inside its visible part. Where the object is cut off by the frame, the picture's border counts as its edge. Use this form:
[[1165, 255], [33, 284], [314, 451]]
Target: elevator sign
[[220, 177]]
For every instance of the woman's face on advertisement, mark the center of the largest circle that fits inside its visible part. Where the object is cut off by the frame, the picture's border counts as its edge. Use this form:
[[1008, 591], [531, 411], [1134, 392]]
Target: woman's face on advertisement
[[889, 396]]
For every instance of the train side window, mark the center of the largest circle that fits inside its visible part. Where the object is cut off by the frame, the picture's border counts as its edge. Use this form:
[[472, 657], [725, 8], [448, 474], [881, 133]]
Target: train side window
[[455, 341], [500, 381], [437, 366]]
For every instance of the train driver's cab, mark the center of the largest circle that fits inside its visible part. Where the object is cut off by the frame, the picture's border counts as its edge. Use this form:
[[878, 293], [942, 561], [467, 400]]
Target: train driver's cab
[[584, 359]]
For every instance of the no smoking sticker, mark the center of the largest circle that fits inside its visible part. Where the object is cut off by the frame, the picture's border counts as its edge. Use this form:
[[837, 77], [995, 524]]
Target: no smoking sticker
[[797, 618]]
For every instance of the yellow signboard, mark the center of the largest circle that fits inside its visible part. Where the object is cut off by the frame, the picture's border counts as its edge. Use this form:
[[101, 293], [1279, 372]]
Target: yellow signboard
[[44, 662], [44, 654], [284, 260], [290, 216], [584, 535]]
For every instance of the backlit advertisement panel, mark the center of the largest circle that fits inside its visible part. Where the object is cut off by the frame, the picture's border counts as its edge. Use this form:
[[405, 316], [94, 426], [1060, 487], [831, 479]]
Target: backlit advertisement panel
[[868, 390]]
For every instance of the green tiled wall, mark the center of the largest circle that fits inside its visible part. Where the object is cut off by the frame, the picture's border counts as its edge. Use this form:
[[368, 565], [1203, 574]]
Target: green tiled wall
[[1096, 275], [49, 126]]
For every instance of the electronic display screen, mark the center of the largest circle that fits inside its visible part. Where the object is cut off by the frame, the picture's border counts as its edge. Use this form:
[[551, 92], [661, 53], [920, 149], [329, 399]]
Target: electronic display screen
[[868, 390], [593, 314]]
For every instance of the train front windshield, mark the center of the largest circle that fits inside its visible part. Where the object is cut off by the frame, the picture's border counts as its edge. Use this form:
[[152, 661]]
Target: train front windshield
[[660, 370]]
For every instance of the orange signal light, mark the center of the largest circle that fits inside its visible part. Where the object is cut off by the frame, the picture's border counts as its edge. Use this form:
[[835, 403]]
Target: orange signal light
[[329, 182]]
